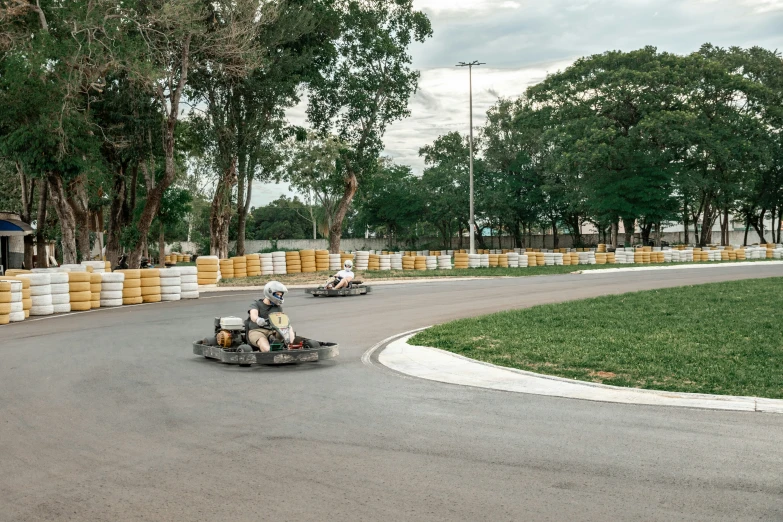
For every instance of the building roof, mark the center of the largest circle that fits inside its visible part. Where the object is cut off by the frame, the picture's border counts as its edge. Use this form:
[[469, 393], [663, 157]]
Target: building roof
[[13, 227]]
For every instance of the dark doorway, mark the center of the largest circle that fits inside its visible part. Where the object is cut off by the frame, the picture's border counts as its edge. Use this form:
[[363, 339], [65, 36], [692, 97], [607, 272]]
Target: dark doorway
[[4, 254]]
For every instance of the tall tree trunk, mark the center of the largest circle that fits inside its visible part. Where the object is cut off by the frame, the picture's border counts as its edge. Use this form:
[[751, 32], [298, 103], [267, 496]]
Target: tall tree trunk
[[65, 216], [162, 246], [79, 203], [555, 237], [119, 216], [615, 232], [28, 194], [169, 125], [629, 225], [747, 228], [220, 212], [336, 229], [40, 229], [243, 205]]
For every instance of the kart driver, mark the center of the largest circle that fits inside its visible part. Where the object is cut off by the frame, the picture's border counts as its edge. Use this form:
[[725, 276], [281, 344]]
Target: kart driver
[[342, 278], [257, 323]]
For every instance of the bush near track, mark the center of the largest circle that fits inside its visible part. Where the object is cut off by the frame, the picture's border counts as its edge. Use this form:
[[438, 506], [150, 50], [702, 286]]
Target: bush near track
[[720, 338]]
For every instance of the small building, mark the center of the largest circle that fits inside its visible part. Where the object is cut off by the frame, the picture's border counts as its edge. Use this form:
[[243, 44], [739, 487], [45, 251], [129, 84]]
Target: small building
[[12, 232]]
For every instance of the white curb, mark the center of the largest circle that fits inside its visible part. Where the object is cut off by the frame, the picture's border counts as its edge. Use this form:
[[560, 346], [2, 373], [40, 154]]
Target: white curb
[[442, 366]]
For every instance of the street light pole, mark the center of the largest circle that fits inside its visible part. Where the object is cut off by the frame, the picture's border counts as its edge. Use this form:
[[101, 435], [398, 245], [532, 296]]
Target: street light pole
[[470, 65]]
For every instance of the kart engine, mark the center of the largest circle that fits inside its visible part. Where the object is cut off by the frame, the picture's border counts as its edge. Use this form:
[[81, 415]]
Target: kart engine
[[228, 330]]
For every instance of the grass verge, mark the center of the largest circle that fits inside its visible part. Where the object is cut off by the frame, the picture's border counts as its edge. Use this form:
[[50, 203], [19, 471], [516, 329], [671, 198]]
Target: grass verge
[[386, 275], [720, 338]]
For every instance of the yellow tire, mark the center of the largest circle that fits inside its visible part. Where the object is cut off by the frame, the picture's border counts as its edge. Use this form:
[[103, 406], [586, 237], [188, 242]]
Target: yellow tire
[[81, 306], [78, 277], [27, 303], [26, 293], [94, 287], [131, 283], [132, 300], [150, 290], [5, 308], [207, 269], [5, 319], [149, 272], [207, 281], [155, 298], [5, 296], [95, 304], [80, 297], [131, 292], [133, 273], [150, 282], [79, 286]]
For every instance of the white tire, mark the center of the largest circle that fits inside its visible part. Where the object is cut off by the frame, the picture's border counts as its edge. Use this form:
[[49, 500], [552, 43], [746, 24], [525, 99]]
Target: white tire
[[60, 288], [188, 270], [112, 287], [169, 272], [16, 317], [189, 279], [42, 300], [40, 290], [169, 290], [189, 287], [58, 299], [37, 279], [112, 277], [17, 307], [189, 295], [111, 302], [59, 278], [62, 308], [166, 282], [111, 294], [16, 296], [170, 297], [42, 310]]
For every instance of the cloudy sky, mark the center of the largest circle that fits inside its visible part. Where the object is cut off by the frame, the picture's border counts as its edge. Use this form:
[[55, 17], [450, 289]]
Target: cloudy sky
[[522, 41]]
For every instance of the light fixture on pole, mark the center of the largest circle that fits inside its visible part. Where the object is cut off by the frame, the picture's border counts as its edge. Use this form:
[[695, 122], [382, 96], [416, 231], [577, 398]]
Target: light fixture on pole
[[470, 65]]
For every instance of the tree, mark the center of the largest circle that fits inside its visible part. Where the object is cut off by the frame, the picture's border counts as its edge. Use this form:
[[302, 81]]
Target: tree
[[367, 88], [392, 202]]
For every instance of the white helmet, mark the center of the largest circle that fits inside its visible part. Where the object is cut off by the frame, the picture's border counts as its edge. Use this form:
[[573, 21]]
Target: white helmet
[[348, 264], [275, 291]]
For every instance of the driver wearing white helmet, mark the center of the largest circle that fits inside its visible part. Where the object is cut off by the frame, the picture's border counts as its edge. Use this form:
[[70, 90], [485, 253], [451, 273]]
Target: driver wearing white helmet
[[344, 277], [257, 323]]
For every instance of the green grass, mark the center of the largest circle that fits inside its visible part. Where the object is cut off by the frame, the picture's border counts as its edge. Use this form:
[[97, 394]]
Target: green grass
[[721, 338]]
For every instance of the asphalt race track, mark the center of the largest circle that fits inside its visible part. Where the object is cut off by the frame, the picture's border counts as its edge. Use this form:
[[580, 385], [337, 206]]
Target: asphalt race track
[[108, 416]]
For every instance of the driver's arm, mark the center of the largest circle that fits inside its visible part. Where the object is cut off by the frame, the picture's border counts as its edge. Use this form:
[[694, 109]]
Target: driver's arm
[[253, 315]]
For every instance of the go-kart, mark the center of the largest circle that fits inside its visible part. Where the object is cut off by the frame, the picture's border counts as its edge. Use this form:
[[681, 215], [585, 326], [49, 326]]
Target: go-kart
[[354, 288], [230, 345]]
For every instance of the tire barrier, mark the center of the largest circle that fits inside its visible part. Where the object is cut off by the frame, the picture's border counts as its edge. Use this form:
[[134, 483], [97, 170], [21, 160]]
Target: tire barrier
[[335, 262], [208, 270], [279, 263], [253, 265], [307, 261], [112, 285], [80, 297], [14, 308], [40, 293], [96, 266], [131, 286], [5, 302], [95, 289], [293, 263], [322, 260], [170, 284], [226, 268], [150, 285], [362, 260], [444, 262], [431, 262], [396, 261], [239, 264], [189, 282], [267, 266]]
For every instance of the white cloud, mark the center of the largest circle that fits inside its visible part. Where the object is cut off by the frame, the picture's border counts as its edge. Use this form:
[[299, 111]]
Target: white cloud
[[523, 40]]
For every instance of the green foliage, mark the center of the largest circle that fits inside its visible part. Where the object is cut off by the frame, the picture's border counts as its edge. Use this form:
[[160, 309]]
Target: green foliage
[[283, 218]]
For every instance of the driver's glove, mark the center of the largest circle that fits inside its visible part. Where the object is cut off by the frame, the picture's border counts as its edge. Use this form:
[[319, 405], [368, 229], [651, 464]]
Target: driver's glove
[[261, 322]]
